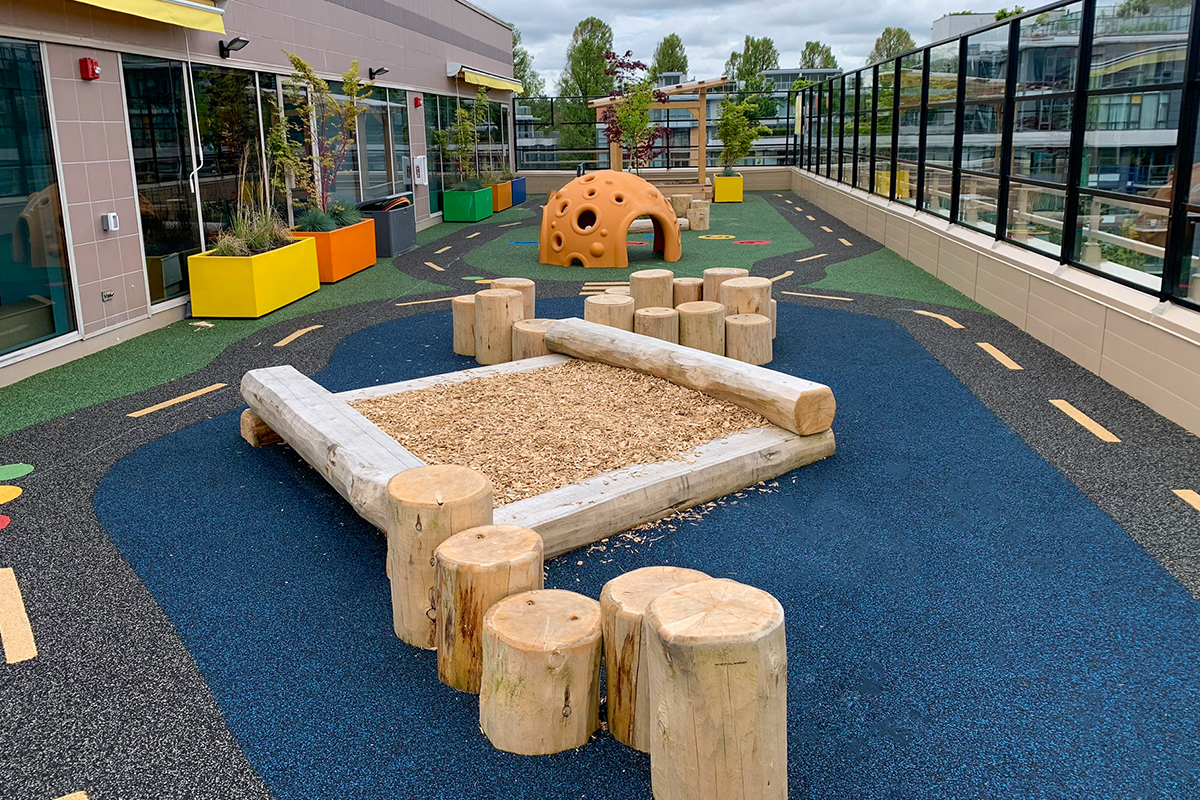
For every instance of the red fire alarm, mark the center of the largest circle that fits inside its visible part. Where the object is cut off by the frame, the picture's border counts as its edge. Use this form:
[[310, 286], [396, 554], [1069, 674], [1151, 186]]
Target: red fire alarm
[[417, 101], [89, 69]]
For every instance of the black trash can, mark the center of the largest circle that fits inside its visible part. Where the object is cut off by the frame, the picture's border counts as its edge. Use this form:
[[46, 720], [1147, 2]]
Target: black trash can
[[395, 227]]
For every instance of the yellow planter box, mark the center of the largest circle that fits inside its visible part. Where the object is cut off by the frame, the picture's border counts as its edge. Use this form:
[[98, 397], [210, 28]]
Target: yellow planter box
[[727, 188], [251, 286]]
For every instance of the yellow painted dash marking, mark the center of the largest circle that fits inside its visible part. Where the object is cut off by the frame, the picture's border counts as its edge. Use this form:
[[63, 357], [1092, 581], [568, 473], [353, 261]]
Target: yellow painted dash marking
[[942, 317], [473, 235], [432, 265], [827, 229], [444, 249], [15, 632], [183, 398], [423, 302], [778, 195], [995, 353], [509, 224], [75, 796], [484, 281], [787, 274], [811, 258], [285, 341], [843, 241], [1099, 431], [1189, 497], [789, 202], [820, 296], [811, 218]]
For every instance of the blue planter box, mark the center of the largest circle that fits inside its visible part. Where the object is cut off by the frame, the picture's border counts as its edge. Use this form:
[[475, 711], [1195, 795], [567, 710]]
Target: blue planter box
[[518, 191]]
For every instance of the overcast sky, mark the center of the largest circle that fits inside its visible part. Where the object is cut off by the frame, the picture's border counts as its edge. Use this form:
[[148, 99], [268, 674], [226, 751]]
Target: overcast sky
[[711, 29]]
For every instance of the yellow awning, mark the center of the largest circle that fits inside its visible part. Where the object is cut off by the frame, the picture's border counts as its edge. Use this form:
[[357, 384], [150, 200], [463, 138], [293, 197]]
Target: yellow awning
[[490, 81], [201, 15]]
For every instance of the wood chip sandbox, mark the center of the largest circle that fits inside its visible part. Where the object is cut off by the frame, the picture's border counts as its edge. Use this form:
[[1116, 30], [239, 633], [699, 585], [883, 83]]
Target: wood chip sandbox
[[531, 432]]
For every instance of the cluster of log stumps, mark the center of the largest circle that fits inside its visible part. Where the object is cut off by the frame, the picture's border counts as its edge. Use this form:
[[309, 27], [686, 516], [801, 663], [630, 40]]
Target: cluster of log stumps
[[726, 312], [696, 667]]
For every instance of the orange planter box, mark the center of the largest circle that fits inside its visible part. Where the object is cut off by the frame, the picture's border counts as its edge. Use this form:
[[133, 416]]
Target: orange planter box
[[343, 252], [501, 195]]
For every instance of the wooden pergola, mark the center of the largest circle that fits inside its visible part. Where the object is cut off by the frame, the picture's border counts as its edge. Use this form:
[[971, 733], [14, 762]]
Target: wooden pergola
[[698, 108]]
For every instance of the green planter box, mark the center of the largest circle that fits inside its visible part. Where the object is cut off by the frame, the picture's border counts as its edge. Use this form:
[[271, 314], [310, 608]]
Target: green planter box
[[458, 206]]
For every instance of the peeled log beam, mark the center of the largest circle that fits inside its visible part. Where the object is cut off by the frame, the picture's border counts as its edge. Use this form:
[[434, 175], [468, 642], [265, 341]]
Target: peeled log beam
[[795, 404], [347, 449], [717, 664], [623, 604]]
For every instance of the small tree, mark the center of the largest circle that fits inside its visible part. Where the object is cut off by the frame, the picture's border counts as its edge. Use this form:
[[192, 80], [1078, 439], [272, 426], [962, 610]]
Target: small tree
[[461, 142], [334, 121], [737, 130], [628, 121]]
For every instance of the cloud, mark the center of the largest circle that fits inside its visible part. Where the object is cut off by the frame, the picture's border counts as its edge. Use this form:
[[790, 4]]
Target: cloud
[[711, 29]]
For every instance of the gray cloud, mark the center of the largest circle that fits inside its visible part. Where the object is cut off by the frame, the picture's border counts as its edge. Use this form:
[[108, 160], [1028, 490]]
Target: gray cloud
[[711, 29]]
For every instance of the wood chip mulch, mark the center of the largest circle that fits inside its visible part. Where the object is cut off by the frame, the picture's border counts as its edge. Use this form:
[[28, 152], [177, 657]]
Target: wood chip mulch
[[534, 431]]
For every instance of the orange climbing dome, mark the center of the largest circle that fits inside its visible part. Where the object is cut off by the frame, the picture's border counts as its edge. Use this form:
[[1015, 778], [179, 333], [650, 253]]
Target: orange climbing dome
[[587, 221]]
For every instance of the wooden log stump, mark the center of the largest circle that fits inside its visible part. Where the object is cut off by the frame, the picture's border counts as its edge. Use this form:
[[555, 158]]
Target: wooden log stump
[[622, 605], [661, 323], [698, 215], [717, 664], [651, 288], [523, 285], [702, 326], [473, 570], [746, 295], [528, 338], [748, 338], [426, 506], [495, 312], [540, 690], [256, 432], [621, 290], [462, 309], [613, 310], [774, 316], [713, 278], [681, 203], [686, 290]]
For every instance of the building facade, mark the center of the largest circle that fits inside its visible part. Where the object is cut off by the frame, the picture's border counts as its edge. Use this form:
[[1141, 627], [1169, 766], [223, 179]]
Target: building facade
[[125, 135]]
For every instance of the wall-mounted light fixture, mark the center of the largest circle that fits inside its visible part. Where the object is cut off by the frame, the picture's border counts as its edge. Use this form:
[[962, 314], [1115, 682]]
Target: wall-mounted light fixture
[[233, 45], [375, 72]]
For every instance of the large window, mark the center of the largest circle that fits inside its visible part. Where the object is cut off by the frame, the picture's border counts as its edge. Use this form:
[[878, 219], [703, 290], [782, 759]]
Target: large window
[[34, 283], [985, 89], [908, 140], [940, 115]]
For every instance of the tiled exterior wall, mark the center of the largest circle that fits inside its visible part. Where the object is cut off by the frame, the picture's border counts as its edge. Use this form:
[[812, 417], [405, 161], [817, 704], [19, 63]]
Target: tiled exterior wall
[[1148, 349], [93, 147]]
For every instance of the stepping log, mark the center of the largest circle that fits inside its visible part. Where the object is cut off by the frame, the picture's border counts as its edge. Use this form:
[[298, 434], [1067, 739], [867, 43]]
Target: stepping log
[[426, 506], [475, 569], [613, 310], [523, 285], [698, 215], [702, 326], [714, 277], [623, 603], [681, 203], [746, 295], [462, 309], [774, 316], [686, 290], [661, 323], [528, 338], [540, 690], [495, 312], [651, 288], [622, 290], [748, 338], [256, 432], [717, 665]]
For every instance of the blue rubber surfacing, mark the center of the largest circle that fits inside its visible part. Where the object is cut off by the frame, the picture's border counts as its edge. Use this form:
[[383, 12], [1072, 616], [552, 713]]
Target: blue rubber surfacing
[[961, 621]]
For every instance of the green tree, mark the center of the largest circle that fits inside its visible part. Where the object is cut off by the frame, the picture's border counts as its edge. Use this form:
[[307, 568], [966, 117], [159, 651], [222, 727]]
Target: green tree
[[756, 55], [892, 42], [737, 129], [1004, 13], [669, 56], [523, 70], [585, 75], [817, 56]]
